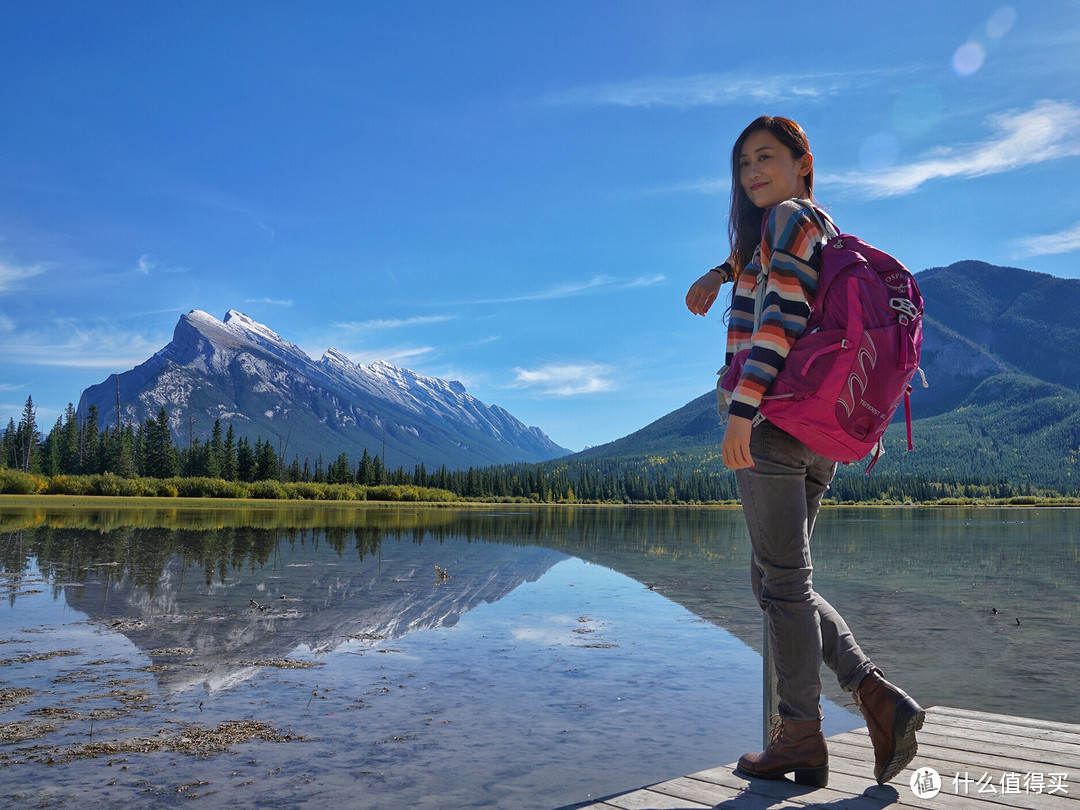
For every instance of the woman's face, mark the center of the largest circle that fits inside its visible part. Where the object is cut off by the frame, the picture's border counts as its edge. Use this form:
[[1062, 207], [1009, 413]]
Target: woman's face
[[768, 172]]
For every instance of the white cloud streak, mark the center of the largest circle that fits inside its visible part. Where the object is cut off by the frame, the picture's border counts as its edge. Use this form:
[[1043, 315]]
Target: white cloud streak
[[10, 276], [1067, 241], [392, 323], [706, 89], [575, 288], [393, 356], [73, 345], [1020, 138], [567, 379], [274, 302], [148, 265]]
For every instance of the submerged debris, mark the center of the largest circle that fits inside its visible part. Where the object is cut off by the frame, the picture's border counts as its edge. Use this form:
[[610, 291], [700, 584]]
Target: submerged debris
[[195, 741], [44, 656], [9, 698], [25, 730], [170, 651], [280, 663]]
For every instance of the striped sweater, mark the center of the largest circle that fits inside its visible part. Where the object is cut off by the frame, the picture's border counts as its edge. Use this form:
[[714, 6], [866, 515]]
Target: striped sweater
[[788, 253]]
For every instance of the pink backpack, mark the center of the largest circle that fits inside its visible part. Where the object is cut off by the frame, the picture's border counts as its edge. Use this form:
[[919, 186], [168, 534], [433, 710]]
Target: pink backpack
[[848, 372]]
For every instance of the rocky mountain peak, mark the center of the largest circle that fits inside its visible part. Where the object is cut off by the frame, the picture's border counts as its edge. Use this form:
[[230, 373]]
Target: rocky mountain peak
[[240, 372]]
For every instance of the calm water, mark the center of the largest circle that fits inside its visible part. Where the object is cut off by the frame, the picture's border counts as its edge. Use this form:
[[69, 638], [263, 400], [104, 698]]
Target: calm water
[[565, 653]]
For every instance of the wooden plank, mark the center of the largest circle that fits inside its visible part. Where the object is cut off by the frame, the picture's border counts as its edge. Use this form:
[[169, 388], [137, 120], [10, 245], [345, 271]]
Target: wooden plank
[[954, 742], [1006, 719], [696, 790], [851, 791], [647, 799], [999, 753]]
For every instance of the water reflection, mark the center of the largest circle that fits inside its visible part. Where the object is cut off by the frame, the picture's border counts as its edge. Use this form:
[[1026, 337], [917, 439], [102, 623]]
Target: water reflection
[[562, 635]]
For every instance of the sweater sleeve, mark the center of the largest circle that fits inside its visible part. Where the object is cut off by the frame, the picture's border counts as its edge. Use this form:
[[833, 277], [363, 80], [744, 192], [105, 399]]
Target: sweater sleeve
[[788, 247]]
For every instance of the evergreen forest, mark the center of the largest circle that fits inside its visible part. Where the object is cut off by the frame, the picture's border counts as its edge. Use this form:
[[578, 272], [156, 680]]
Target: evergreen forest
[[77, 457]]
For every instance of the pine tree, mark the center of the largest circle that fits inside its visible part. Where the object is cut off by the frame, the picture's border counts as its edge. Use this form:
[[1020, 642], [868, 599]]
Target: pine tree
[[245, 461], [50, 450], [89, 442], [160, 459], [266, 461], [228, 456], [26, 438], [215, 461], [366, 473], [69, 442]]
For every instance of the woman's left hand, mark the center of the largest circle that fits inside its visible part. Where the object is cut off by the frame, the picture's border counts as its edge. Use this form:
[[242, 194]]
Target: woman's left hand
[[735, 446]]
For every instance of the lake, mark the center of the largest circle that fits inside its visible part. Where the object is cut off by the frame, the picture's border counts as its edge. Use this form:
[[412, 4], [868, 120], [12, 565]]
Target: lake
[[306, 655]]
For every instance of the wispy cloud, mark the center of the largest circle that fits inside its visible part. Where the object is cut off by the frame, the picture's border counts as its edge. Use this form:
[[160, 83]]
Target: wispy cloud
[[395, 356], [705, 185], [569, 379], [392, 323], [274, 302], [72, 344], [647, 281], [708, 89], [1019, 138], [148, 265], [10, 275], [1066, 241], [571, 289]]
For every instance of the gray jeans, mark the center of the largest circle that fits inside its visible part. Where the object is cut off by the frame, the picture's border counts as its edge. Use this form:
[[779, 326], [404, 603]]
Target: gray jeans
[[780, 496]]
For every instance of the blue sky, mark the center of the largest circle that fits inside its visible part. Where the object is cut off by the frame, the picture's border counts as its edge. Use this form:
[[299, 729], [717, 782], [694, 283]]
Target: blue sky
[[514, 195]]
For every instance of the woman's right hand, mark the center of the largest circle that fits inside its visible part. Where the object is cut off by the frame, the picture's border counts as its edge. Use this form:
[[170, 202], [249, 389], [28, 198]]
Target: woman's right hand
[[703, 292]]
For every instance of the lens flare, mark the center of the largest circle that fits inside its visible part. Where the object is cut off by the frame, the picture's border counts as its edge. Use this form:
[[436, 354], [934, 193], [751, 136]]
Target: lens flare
[[968, 58]]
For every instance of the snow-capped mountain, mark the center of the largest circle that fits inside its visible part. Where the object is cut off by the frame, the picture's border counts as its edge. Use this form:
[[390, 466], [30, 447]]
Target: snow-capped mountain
[[242, 373]]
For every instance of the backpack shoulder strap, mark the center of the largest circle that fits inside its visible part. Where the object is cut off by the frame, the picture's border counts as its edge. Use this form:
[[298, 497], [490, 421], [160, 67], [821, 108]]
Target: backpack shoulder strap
[[831, 232], [822, 219]]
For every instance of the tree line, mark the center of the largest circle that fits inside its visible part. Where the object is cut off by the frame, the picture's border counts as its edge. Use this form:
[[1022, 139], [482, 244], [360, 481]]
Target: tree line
[[81, 447]]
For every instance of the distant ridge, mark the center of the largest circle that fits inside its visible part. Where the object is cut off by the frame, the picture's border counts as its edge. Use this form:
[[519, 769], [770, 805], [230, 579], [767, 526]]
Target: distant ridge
[[1001, 353], [243, 373]]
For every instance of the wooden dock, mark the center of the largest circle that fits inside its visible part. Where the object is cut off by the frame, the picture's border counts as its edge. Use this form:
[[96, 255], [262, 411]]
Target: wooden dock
[[983, 761]]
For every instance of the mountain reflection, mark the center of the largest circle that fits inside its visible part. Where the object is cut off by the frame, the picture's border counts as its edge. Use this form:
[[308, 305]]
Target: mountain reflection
[[947, 583], [210, 607]]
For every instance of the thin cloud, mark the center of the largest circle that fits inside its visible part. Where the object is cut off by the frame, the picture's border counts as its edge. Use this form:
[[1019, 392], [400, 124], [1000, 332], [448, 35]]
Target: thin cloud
[[78, 346], [392, 323], [393, 356], [10, 275], [576, 288], [567, 379], [706, 185], [1020, 138], [148, 265], [1050, 244], [706, 89], [274, 302], [647, 281]]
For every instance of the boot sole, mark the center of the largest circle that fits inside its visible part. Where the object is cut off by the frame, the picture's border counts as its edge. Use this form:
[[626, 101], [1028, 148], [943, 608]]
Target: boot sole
[[812, 777], [908, 717]]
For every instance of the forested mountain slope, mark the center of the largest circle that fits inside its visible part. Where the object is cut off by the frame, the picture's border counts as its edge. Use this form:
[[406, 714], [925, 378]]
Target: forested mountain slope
[[1001, 353]]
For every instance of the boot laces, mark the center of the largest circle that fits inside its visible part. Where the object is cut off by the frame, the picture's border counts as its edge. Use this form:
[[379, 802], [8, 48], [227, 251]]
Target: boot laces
[[777, 729]]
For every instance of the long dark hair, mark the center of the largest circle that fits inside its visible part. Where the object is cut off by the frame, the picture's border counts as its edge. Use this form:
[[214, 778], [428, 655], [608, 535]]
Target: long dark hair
[[744, 220]]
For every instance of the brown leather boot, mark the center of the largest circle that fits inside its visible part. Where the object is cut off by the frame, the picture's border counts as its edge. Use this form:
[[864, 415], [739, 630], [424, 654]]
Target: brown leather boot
[[795, 746], [892, 717]]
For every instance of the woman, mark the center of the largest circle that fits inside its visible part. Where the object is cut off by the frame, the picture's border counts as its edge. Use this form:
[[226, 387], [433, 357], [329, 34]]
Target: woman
[[775, 238]]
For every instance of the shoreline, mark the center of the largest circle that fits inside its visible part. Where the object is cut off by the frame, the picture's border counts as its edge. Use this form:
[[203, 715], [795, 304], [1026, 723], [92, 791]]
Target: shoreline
[[202, 502]]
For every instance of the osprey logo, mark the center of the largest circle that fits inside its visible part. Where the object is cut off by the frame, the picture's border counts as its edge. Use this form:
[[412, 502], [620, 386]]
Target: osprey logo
[[865, 360]]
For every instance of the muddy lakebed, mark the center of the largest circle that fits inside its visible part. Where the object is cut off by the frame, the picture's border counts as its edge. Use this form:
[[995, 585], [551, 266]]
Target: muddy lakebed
[[411, 657]]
